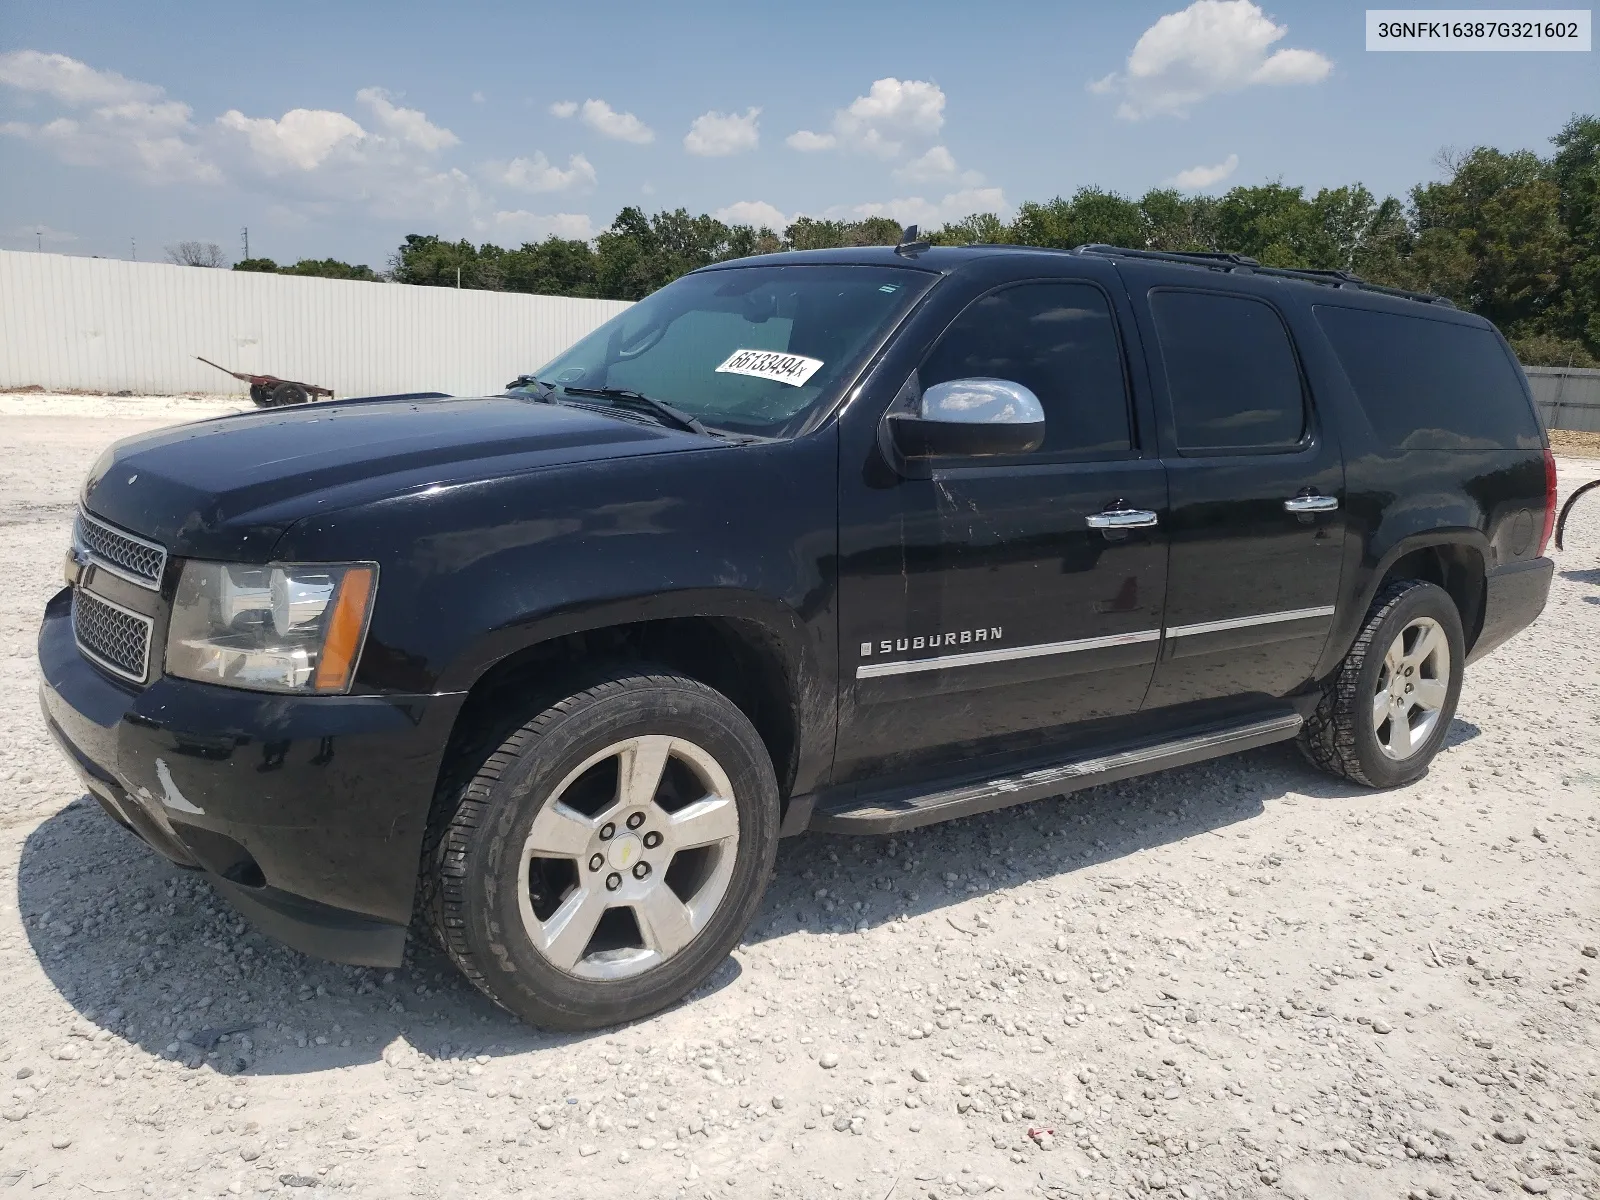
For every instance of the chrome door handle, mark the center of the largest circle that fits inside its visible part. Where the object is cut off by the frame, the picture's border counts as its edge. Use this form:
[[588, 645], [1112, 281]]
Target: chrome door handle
[[1310, 504], [1123, 518]]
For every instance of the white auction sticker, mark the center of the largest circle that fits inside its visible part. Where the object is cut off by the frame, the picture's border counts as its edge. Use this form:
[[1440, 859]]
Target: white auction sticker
[[792, 369], [1478, 29]]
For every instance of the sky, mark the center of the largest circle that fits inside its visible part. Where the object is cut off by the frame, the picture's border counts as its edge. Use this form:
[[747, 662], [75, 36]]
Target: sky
[[332, 129]]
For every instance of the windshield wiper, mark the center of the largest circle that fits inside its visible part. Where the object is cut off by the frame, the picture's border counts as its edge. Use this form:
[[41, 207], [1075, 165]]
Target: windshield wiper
[[527, 383], [628, 398]]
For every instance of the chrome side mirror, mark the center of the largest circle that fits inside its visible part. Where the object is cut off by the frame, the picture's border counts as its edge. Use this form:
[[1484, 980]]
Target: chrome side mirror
[[970, 417]]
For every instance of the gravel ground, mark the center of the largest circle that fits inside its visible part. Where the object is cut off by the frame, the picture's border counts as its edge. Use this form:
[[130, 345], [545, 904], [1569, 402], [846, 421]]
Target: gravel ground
[[1236, 979]]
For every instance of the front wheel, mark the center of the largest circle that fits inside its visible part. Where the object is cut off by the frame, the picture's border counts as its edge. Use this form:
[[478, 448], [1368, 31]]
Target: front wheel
[[1386, 711], [609, 854]]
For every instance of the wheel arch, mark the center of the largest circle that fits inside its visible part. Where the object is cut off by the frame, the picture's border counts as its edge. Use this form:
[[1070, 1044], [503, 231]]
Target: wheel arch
[[754, 654], [1454, 560]]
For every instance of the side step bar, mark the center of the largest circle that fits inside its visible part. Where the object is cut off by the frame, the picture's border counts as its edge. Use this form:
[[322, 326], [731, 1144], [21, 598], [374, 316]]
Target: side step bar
[[893, 813]]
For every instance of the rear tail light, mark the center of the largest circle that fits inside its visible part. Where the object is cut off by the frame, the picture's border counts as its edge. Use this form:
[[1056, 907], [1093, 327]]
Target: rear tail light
[[1549, 501]]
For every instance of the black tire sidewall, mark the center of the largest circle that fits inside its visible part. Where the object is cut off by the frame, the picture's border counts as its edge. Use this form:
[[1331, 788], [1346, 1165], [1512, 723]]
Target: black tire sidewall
[[1420, 600], [513, 971]]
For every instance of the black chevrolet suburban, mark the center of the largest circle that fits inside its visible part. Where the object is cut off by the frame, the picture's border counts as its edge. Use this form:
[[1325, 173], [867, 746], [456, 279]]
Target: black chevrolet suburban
[[850, 540]]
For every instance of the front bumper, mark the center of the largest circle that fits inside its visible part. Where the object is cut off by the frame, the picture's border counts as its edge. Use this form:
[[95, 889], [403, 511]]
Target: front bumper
[[307, 812]]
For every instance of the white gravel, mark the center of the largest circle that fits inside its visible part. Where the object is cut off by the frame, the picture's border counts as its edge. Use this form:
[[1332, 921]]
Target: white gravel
[[1238, 979]]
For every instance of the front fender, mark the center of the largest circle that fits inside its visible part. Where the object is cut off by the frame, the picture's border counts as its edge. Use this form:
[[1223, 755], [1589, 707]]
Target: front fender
[[473, 573]]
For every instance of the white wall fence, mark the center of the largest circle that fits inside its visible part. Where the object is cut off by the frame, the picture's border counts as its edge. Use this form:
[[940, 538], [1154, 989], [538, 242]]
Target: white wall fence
[[105, 325], [1568, 397]]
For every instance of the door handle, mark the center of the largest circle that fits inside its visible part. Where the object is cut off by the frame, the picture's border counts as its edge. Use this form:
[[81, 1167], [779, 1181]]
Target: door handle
[[1310, 504], [1123, 518]]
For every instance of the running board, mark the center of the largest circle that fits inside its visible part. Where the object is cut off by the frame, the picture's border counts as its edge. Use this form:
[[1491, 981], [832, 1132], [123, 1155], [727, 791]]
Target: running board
[[892, 813]]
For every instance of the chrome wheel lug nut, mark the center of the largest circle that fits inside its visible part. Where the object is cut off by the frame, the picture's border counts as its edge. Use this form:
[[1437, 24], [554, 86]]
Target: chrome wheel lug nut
[[613, 882], [597, 861], [607, 831], [641, 870], [652, 840], [635, 820]]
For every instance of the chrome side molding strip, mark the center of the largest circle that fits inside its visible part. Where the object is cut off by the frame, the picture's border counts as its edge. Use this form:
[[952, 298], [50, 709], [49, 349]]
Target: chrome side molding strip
[[1272, 618], [1008, 654]]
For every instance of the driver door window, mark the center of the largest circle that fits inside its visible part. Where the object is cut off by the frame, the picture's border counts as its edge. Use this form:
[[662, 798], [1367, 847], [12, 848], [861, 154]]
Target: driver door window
[[1059, 340]]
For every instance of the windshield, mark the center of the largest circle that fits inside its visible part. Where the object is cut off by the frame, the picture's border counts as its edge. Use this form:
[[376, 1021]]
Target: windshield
[[748, 349]]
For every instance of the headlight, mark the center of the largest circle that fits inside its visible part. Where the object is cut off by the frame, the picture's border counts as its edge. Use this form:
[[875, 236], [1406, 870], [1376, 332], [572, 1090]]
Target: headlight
[[288, 627]]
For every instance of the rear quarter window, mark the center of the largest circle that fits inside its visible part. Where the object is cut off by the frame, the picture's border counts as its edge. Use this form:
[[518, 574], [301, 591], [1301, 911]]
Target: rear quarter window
[[1431, 385]]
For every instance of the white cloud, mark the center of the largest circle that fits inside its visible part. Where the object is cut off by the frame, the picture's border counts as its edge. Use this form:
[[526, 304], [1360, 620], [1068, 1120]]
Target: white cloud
[[754, 212], [321, 156], [716, 135], [301, 140], [623, 126], [936, 165], [929, 214], [128, 127], [1204, 177], [70, 81], [539, 174], [1211, 47], [478, 97], [564, 108], [409, 124], [535, 227], [892, 112], [807, 141]]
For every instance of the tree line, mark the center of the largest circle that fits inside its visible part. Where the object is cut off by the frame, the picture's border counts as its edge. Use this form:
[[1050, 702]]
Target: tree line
[[1512, 236]]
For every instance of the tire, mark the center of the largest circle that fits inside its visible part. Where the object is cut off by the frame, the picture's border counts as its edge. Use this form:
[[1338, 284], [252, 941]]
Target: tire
[[259, 395], [525, 857], [1346, 736], [289, 393]]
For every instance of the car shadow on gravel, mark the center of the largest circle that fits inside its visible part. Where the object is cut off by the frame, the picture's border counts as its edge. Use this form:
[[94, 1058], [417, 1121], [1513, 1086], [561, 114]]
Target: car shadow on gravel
[[149, 952]]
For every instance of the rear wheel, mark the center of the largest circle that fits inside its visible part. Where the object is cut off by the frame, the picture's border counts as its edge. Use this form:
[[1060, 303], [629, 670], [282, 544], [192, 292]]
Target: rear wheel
[[608, 855], [289, 393], [1386, 712]]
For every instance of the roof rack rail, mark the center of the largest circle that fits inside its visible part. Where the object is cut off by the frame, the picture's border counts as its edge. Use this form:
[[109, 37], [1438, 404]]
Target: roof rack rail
[[1222, 261]]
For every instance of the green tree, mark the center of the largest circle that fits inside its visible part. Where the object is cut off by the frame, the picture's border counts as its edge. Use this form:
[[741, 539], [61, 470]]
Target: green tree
[[554, 267], [1173, 221], [265, 265], [425, 259], [330, 268], [1491, 237]]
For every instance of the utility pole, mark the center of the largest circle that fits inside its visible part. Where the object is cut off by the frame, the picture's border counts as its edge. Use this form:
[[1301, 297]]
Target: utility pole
[[40, 233], [458, 278], [133, 247], [245, 233]]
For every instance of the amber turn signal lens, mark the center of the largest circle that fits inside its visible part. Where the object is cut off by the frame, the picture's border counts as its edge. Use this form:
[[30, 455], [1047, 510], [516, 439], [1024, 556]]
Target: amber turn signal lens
[[346, 627]]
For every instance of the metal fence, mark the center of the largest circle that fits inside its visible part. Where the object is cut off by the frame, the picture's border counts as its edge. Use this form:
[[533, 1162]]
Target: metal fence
[[1568, 397], [106, 325]]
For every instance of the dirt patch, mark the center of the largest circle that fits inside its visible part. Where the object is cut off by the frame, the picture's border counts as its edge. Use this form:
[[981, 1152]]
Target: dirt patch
[[1572, 441]]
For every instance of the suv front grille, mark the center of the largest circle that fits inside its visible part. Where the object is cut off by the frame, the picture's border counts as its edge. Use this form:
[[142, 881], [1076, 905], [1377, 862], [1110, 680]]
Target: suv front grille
[[121, 553], [113, 636]]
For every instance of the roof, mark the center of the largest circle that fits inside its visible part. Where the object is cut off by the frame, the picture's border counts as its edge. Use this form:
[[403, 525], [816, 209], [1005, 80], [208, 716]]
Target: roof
[[945, 259]]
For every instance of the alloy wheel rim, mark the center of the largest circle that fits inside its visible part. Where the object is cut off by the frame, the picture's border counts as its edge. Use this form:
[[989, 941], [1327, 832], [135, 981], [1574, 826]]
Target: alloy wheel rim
[[1412, 686], [629, 859]]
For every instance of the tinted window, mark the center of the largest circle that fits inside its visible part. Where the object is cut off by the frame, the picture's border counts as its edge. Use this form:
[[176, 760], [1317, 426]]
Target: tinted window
[[698, 343], [1231, 372], [1057, 339], [1430, 385]]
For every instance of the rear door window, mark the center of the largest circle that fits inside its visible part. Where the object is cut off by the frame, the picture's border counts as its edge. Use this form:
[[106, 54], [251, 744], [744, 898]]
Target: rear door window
[[1231, 372], [1060, 341], [1430, 385]]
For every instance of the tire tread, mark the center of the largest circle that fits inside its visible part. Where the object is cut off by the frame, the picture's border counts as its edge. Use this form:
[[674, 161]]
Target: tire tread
[[1328, 738], [463, 807]]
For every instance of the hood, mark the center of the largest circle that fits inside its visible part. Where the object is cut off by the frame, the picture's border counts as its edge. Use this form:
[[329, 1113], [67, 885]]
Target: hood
[[228, 488]]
